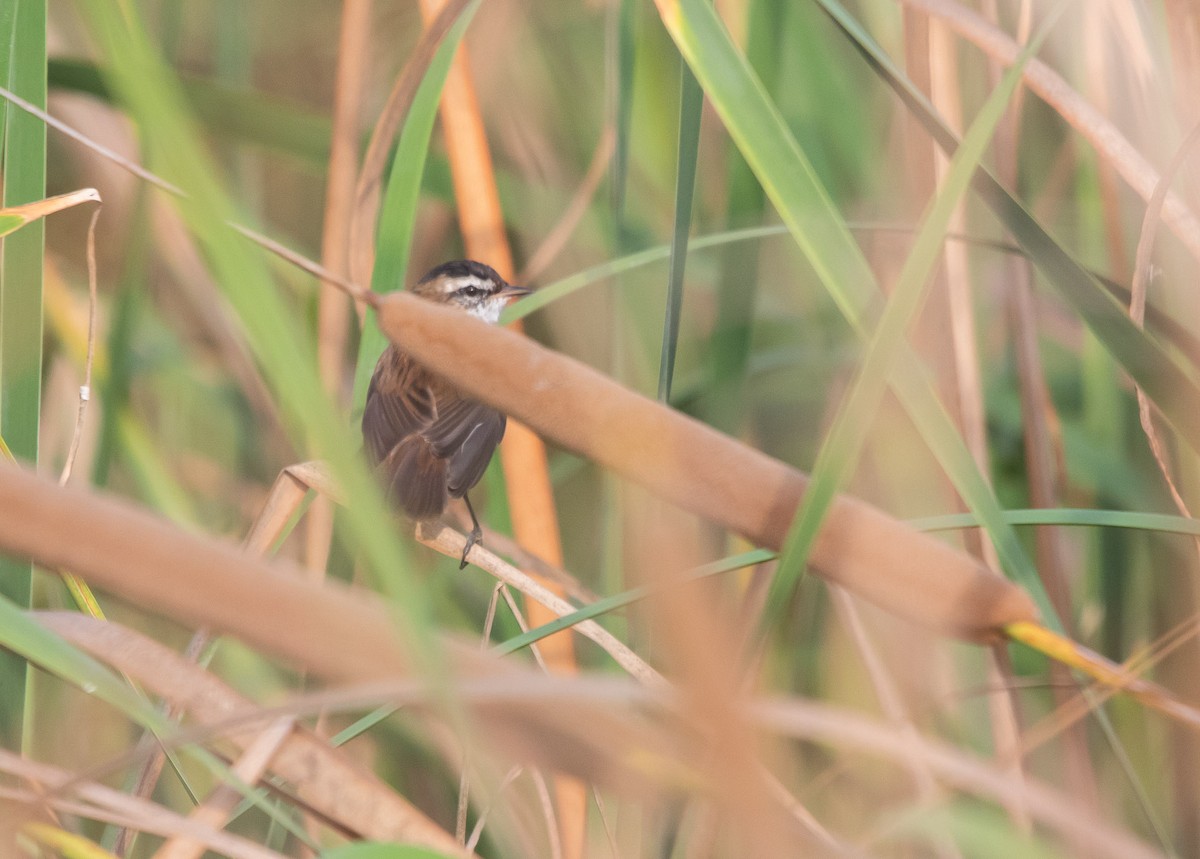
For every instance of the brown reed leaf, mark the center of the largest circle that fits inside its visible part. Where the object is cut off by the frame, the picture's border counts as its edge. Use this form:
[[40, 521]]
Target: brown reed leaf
[[701, 470], [197, 580]]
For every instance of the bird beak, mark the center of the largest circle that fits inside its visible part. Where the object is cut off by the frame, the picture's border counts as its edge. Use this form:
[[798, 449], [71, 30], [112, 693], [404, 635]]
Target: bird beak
[[510, 291]]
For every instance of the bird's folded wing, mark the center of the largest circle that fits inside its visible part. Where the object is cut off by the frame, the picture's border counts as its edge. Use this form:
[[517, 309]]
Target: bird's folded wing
[[465, 434]]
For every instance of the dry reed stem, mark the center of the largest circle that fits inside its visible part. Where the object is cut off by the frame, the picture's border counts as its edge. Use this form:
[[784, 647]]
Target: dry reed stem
[[215, 810], [85, 390], [1107, 140], [946, 95], [450, 543], [703, 471], [522, 453], [294, 482], [196, 580], [324, 628], [52, 787], [333, 305], [324, 779], [1137, 305], [1058, 811]]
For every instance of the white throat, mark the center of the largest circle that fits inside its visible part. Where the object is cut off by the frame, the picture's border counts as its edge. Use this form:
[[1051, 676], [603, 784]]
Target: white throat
[[489, 310]]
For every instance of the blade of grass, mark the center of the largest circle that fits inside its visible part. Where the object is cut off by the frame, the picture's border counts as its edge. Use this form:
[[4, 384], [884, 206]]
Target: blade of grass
[[30, 640], [622, 600], [23, 70], [230, 112], [821, 233], [729, 346], [850, 428], [691, 103], [398, 212], [1161, 522], [1173, 389], [274, 332], [622, 41]]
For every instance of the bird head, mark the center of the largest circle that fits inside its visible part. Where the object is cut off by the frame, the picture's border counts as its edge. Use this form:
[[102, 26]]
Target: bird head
[[470, 286]]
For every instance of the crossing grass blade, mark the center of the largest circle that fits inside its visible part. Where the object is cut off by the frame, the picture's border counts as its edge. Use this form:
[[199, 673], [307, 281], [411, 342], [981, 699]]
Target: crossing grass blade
[[821, 232], [846, 437], [273, 329], [1173, 387], [398, 212]]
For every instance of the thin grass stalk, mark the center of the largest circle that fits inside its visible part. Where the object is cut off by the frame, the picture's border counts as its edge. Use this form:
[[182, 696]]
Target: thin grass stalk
[[946, 95], [1042, 447], [921, 181], [933, 66]]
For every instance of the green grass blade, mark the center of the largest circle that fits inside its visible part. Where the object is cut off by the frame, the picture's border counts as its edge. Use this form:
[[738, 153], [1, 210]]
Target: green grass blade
[[691, 103], [1073, 517], [622, 600], [624, 54], [848, 433], [233, 113], [1173, 389], [398, 211], [791, 183], [737, 284], [272, 325], [23, 70], [552, 292]]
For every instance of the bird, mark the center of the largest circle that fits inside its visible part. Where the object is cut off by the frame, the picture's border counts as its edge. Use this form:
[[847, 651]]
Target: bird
[[427, 440]]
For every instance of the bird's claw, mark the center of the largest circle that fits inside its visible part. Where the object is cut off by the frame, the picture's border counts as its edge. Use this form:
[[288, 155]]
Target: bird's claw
[[475, 535]]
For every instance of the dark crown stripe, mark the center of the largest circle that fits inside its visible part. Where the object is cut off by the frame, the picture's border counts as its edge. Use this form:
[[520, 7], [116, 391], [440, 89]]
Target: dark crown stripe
[[462, 268]]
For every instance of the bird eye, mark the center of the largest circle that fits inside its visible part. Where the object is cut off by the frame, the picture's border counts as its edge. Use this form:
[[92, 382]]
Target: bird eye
[[471, 291]]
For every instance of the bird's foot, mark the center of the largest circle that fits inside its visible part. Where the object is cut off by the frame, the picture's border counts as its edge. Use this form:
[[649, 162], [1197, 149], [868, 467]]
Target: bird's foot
[[474, 536]]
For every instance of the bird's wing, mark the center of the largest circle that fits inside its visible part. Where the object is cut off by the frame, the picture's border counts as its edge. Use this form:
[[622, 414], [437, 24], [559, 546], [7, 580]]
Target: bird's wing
[[399, 406], [400, 402], [465, 433], [426, 438]]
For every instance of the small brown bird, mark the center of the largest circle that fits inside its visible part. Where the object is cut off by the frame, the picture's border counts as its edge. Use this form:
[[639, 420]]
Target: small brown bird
[[427, 440]]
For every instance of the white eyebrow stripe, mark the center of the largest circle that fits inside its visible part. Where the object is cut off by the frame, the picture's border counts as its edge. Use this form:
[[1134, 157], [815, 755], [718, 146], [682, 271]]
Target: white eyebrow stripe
[[453, 284]]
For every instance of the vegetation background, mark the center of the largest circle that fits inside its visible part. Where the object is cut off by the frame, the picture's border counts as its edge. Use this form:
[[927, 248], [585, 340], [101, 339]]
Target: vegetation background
[[721, 238]]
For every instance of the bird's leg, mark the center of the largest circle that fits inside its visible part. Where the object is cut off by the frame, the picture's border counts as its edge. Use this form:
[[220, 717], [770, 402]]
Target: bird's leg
[[472, 538]]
